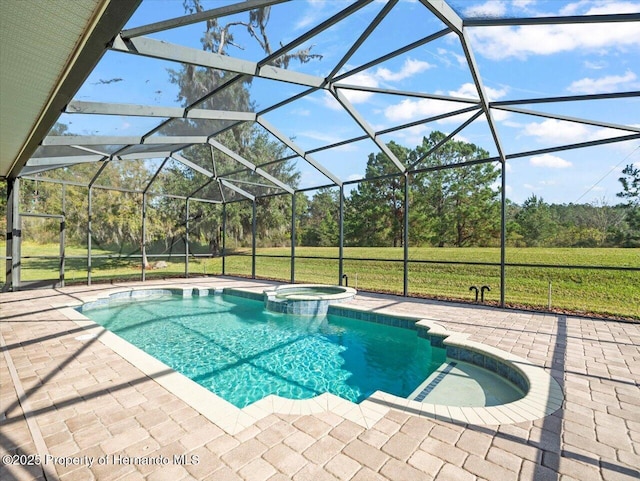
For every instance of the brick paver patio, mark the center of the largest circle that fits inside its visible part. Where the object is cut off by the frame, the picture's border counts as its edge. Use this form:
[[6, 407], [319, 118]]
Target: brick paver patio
[[70, 399]]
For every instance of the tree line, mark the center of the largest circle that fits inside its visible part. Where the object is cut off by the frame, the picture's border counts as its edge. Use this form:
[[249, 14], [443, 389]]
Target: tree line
[[449, 207], [460, 207]]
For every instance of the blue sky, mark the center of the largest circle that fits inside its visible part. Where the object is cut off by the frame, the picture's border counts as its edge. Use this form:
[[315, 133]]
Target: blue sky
[[514, 62]]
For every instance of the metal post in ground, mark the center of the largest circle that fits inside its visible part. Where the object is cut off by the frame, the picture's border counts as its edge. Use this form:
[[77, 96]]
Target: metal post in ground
[[144, 237], [186, 239], [405, 237], [224, 236], [89, 201], [503, 230], [341, 240], [14, 235], [293, 238], [253, 240]]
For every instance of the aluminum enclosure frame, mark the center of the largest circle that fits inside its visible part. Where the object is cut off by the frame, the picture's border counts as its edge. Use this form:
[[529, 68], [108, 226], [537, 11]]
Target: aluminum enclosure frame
[[136, 42]]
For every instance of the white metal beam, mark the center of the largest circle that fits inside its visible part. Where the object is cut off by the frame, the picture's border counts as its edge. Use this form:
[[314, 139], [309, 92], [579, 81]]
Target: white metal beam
[[578, 145], [578, 120], [89, 140], [368, 129], [464, 125], [170, 139], [250, 166], [68, 160], [406, 93], [293, 146], [477, 79], [31, 170], [220, 115], [309, 34], [92, 151], [103, 108], [149, 47], [191, 165], [237, 189], [442, 10], [395, 53], [198, 17], [564, 20], [144, 155], [568, 98], [363, 37]]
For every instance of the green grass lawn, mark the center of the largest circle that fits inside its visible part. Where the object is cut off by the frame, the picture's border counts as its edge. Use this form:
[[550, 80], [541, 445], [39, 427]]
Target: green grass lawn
[[587, 291]]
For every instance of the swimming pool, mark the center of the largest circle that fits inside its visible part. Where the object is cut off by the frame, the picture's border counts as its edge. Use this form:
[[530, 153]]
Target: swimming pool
[[238, 350]]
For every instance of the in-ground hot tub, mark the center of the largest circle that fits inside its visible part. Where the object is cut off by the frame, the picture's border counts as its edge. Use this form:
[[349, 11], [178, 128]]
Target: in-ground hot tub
[[306, 299]]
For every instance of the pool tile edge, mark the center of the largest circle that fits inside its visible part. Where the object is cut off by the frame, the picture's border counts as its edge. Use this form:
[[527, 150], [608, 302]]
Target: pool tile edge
[[544, 395], [219, 411]]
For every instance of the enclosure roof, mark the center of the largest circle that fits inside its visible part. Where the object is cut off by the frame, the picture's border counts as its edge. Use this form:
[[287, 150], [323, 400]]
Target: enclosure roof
[[99, 45]]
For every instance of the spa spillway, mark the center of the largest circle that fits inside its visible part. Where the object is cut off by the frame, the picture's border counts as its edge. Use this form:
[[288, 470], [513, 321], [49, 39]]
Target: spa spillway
[[306, 299]]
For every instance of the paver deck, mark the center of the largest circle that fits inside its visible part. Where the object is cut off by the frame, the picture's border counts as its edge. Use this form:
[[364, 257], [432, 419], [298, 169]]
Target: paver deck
[[69, 398]]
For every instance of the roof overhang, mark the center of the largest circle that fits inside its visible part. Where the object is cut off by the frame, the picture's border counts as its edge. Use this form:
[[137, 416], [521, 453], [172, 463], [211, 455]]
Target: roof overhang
[[47, 51]]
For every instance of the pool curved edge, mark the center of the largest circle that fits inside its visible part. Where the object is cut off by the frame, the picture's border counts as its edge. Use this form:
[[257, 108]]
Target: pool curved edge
[[345, 293], [543, 396]]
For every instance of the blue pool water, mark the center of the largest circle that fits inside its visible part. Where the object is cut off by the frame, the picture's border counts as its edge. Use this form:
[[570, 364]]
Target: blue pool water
[[236, 349]]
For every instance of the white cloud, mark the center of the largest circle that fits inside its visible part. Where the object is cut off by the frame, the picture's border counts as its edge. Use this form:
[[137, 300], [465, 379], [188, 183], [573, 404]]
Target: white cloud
[[316, 135], [443, 54], [498, 43], [603, 84], [500, 115], [523, 4], [329, 100], [302, 112], [608, 7], [556, 131], [549, 161], [594, 65], [573, 8], [313, 14], [327, 138], [560, 132], [491, 8], [468, 90], [363, 79], [412, 135], [511, 123], [410, 68], [409, 109], [412, 109]]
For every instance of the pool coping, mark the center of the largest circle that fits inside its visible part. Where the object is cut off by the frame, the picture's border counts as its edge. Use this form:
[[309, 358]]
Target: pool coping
[[314, 305], [344, 294], [543, 397]]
